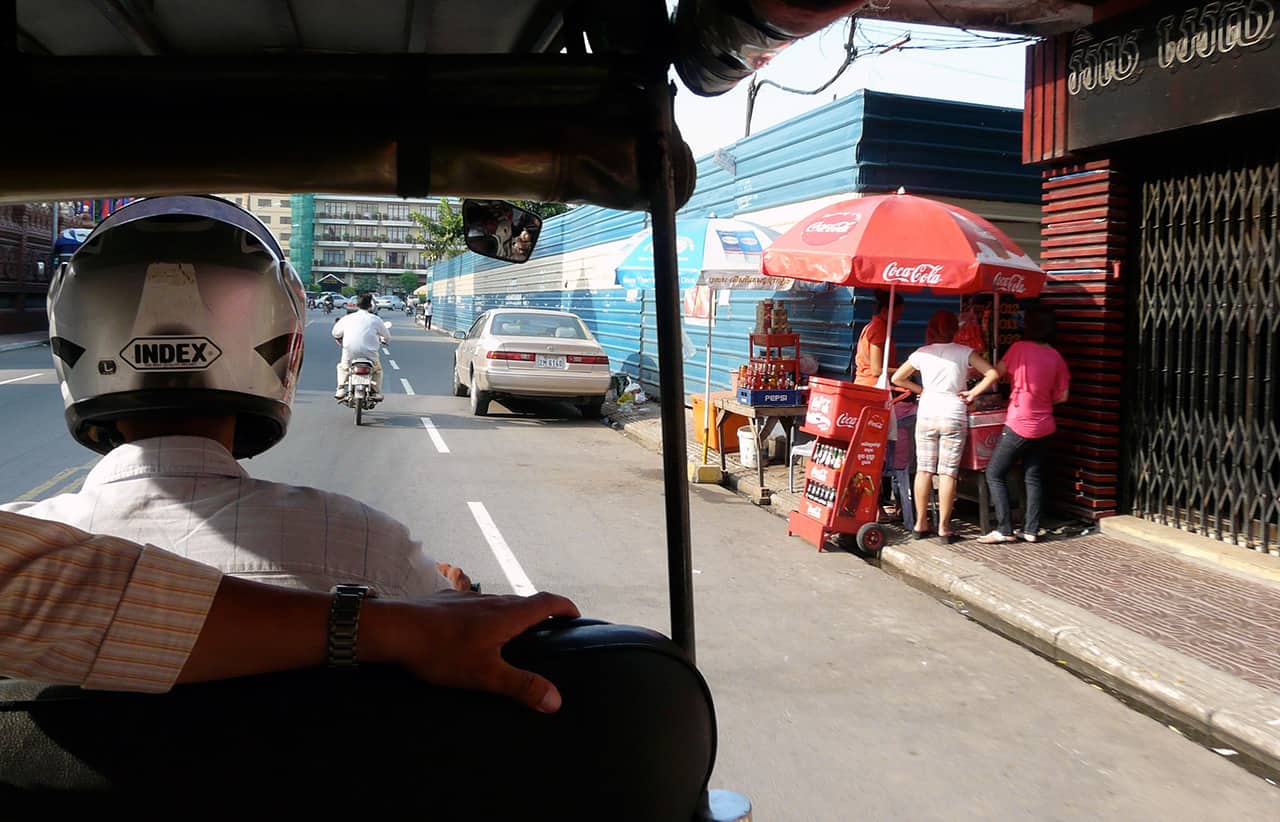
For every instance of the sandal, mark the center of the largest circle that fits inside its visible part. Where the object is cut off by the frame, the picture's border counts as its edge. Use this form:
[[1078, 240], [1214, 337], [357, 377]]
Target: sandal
[[947, 539], [995, 537], [919, 534]]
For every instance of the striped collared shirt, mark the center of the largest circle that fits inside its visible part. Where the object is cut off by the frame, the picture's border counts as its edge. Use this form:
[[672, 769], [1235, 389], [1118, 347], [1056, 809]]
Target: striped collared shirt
[[191, 496], [96, 611]]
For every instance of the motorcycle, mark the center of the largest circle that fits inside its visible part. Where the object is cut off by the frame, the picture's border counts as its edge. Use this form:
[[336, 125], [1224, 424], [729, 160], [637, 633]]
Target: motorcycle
[[360, 396], [327, 306]]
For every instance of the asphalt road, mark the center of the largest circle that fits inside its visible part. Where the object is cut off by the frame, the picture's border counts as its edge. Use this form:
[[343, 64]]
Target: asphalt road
[[841, 693]]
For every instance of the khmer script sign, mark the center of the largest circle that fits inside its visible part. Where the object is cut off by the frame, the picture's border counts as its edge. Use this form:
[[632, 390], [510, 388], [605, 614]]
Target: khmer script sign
[[1171, 65]]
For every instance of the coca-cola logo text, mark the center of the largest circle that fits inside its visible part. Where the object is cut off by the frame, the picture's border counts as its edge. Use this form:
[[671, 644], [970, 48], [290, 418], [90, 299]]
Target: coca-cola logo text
[[846, 421], [921, 274], [830, 227], [1009, 283], [876, 423]]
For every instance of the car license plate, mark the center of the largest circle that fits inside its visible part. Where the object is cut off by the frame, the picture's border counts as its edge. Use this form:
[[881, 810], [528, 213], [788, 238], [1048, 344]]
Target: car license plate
[[551, 362]]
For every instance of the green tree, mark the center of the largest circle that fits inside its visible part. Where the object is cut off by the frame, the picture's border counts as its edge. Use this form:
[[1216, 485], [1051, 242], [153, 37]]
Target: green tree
[[408, 282], [440, 237], [367, 285], [348, 291], [544, 210]]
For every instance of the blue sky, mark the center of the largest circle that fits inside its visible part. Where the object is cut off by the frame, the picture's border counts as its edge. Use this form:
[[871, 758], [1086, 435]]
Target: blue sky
[[931, 66]]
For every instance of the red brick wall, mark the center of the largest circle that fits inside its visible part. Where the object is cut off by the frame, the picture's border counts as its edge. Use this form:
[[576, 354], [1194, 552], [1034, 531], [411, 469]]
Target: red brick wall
[[24, 244], [1084, 248]]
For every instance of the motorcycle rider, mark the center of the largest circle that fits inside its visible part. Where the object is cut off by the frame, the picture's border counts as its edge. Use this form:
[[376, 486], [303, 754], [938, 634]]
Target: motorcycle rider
[[360, 334], [176, 331]]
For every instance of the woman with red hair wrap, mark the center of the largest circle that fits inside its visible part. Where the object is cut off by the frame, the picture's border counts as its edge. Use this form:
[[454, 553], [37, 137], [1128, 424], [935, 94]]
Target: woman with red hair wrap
[[942, 421]]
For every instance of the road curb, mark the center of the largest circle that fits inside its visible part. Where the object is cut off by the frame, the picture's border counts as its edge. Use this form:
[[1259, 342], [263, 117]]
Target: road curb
[[1170, 684], [15, 346]]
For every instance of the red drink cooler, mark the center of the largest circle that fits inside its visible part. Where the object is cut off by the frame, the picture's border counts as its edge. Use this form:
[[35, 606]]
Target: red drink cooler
[[842, 483], [834, 406], [984, 434]]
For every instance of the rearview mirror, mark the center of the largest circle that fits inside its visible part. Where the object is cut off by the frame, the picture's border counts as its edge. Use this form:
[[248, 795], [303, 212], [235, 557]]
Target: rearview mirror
[[501, 230], [387, 323], [459, 335]]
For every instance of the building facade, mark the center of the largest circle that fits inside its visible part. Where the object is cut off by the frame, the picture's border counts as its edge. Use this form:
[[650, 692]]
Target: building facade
[[275, 211], [359, 241], [1155, 129]]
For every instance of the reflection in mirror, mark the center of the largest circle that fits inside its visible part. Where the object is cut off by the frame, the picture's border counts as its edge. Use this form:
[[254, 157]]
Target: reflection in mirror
[[459, 335], [501, 230]]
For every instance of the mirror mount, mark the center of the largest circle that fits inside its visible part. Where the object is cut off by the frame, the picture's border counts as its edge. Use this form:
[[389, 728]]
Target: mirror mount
[[500, 230], [459, 335]]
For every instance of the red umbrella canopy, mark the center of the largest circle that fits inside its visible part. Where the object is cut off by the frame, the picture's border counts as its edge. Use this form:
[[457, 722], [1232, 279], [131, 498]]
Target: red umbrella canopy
[[908, 242]]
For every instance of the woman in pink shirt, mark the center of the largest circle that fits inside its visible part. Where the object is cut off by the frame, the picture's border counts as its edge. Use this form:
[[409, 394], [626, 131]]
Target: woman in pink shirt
[[1040, 379]]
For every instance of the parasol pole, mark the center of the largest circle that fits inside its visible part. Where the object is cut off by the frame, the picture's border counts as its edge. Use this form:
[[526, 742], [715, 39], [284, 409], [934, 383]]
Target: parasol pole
[[888, 340], [995, 327], [706, 397]]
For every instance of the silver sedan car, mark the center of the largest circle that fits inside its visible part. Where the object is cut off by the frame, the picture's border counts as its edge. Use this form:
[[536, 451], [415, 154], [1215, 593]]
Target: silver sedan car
[[530, 353]]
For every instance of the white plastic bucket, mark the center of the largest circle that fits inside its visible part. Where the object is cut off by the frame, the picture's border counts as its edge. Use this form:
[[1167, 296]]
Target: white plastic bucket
[[747, 447]]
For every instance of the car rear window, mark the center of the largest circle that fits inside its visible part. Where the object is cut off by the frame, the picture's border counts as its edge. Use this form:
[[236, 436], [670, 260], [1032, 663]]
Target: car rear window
[[538, 325]]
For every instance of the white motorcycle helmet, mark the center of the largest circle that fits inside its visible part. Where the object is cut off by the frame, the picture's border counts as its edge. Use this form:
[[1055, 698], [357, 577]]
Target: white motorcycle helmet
[[178, 306]]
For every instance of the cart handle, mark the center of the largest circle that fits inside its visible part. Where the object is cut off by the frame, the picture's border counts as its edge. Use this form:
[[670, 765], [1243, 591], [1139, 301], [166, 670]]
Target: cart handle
[[903, 393]]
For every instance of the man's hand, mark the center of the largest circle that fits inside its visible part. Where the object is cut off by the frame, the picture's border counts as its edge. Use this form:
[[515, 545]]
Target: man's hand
[[456, 576], [456, 639]]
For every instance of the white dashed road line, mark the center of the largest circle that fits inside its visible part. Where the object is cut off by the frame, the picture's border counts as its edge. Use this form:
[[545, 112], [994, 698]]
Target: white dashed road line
[[408, 389], [393, 364], [18, 379], [386, 351], [434, 434], [501, 551]]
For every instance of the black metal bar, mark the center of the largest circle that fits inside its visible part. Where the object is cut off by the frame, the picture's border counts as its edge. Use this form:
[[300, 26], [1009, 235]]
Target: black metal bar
[[139, 31], [671, 377]]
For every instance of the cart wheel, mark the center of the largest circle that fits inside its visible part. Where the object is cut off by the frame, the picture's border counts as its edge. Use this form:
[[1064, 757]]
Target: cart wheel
[[870, 538]]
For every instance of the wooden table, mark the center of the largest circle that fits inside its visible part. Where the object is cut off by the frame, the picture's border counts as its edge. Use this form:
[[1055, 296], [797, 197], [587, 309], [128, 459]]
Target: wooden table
[[763, 419]]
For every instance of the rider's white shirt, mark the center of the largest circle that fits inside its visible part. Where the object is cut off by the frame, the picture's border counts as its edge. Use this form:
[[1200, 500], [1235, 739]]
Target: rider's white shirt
[[361, 334], [190, 496]]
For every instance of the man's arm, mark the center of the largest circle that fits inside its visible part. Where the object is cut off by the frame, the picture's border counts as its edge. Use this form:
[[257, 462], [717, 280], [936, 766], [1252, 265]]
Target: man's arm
[[96, 611], [450, 639], [106, 613]]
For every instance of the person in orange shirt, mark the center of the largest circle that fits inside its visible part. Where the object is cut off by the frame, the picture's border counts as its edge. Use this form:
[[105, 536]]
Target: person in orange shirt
[[868, 363], [868, 359]]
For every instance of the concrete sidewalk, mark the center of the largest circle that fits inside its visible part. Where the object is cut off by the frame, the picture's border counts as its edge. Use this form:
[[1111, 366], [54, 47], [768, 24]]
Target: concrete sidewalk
[[1182, 624], [30, 339]]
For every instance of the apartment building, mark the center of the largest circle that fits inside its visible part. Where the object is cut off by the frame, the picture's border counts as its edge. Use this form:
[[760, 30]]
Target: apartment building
[[275, 211], [359, 238]]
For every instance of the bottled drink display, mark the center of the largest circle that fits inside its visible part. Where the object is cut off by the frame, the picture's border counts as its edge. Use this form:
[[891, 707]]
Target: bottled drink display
[[819, 493], [764, 375], [829, 455]]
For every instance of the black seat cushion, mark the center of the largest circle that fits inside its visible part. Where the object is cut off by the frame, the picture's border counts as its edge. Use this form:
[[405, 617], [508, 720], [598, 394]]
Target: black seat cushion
[[635, 739]]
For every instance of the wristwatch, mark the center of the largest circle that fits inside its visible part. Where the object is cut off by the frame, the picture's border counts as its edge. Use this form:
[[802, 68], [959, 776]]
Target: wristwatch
[[344, 623]]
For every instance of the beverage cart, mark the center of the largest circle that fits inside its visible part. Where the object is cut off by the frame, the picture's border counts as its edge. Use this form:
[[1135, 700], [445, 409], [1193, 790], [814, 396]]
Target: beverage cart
[[894, 241]]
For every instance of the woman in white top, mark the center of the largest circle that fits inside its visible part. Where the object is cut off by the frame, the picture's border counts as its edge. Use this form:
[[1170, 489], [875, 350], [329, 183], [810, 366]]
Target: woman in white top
[[942, 421]]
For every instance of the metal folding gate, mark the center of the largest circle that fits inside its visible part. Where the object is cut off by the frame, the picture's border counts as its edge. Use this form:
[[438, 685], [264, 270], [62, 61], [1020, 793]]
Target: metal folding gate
[[1202, 450]]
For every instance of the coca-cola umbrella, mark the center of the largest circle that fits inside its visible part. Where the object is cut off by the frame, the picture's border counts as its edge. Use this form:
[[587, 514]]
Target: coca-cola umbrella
[[901, 241]]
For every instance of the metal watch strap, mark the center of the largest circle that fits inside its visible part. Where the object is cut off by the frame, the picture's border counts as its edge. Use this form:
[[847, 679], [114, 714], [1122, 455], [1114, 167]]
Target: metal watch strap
[[344, 623]]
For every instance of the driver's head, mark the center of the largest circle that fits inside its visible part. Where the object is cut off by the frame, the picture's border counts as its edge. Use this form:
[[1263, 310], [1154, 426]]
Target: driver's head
[[365, 302], [178, 308]]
